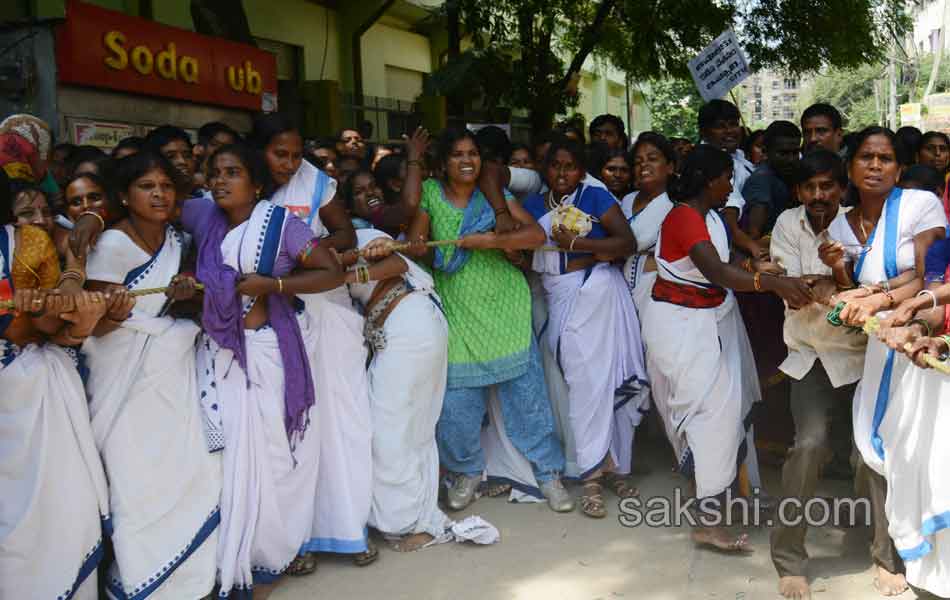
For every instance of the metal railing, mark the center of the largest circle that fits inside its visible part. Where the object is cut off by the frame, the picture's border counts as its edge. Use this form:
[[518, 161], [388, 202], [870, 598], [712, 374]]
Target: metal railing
[[391, 118]]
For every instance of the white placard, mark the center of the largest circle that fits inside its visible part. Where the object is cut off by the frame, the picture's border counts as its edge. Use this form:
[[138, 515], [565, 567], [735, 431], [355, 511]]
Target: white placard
[[719, 67]]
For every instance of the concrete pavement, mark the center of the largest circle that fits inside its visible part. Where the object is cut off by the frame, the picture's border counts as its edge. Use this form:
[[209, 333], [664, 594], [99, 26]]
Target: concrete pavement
[[544, 555]]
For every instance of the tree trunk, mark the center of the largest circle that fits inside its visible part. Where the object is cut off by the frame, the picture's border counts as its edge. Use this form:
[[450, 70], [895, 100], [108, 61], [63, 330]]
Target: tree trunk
[[455, 102]]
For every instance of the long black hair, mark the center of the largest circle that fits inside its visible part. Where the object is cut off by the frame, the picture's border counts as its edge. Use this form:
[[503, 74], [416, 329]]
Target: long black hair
[[267, 126], [701, 166]]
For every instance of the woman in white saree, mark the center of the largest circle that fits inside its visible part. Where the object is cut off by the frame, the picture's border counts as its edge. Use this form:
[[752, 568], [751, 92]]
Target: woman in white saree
[[164, 483], [344, 487], [256, 368], [881, 245], [54, 489], [408, 335], [694, 336], [653, 162], [592, 329]]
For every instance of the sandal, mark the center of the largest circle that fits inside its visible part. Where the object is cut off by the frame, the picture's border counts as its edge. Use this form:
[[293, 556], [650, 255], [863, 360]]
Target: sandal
[[592, 500], [366, 558], [493, 490], [302, 565], [621, 486]]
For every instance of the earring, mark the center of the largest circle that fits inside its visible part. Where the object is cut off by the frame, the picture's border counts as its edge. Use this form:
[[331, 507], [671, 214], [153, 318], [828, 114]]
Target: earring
[[125, 203], [258, 194]]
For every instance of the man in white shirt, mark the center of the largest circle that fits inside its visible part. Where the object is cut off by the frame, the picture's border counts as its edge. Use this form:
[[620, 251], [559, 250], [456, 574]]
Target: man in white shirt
[[824, 364]]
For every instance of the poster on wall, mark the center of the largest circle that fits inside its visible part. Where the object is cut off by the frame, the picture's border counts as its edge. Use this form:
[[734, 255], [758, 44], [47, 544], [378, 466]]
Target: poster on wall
[[100, 134]]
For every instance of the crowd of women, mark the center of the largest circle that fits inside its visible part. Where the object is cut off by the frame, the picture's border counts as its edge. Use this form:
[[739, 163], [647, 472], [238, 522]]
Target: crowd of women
[[220, 360]]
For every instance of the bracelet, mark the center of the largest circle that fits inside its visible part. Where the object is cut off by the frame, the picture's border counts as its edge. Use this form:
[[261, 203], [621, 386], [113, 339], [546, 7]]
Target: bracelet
[[571, 247], [280, 285], [747, 264], [415, 161], [925, 324], [74, 275], [362, 274], [757, 281], [890, 298], [96, 215], [933, 296], [503, 209]]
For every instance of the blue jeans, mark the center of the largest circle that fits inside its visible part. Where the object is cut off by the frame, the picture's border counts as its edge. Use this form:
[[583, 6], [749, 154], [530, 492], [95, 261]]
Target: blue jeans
[[529, 424]]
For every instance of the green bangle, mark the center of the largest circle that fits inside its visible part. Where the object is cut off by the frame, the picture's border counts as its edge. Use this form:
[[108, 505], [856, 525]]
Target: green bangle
[[926, 325]]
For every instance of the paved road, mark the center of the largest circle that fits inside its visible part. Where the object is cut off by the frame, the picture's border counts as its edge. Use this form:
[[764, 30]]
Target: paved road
[[543, 555]]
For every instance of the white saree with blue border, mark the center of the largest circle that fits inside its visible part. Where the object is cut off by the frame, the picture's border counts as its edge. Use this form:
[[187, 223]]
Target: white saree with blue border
[[54, 489], [143, 399], [268, 483], [900, 413]]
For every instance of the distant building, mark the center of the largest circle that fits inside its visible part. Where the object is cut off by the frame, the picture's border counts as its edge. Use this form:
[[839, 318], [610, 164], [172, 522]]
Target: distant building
[[768, 96], [928, 19]]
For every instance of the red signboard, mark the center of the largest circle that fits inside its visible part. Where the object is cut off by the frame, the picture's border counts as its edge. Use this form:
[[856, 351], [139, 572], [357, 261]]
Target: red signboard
[[103, 48]]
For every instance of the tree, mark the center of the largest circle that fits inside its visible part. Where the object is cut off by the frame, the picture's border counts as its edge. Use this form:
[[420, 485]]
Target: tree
[[853, 92], [674, 107], [548, 41]]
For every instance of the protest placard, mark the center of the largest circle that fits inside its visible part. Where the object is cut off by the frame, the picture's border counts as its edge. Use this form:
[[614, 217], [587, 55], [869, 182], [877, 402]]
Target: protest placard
[[720, 66]]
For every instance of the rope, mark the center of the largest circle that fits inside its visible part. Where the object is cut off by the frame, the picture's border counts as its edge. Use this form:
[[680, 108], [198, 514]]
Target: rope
[[401, 246], [872, 325], [9, 305]]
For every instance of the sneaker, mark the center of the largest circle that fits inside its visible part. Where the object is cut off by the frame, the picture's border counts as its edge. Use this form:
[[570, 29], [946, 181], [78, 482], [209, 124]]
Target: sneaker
[[462, 491], [558, 497]]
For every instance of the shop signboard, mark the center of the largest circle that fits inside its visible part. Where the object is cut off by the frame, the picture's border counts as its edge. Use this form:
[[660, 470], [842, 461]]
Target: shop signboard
[[911, 113], [100, 134], [108, 49]]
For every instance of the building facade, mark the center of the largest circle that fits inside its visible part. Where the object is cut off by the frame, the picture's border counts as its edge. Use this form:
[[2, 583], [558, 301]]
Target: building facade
[[768, 96], [335, 63]]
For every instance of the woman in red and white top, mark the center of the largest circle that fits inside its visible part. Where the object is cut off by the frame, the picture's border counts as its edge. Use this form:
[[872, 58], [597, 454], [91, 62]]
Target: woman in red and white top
[[699, 386]]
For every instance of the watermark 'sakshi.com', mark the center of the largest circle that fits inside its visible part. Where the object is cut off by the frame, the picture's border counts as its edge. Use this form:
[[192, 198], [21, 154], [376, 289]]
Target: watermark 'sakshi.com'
[[728, 510]]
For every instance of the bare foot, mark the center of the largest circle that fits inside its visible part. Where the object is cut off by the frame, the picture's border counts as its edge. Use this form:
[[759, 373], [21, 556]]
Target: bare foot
[[410, 543], [720, 539], [890, 584], [794, 587]]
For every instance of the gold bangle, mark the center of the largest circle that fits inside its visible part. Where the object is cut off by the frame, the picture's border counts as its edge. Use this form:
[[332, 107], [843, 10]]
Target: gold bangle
[[280, 285], [75, 275], [96, 215], [757, 281], [571, 247]]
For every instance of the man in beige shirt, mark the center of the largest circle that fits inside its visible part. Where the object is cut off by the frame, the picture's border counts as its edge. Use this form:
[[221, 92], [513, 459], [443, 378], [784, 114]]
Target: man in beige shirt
[[824, 364]]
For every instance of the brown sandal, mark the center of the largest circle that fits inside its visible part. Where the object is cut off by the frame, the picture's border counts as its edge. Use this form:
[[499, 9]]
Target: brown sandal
[[592, 500], [366, 558], [620, 485], [302, 565]]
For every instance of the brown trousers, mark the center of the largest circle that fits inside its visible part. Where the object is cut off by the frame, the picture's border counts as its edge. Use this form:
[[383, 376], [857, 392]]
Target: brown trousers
[[812, 401]]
